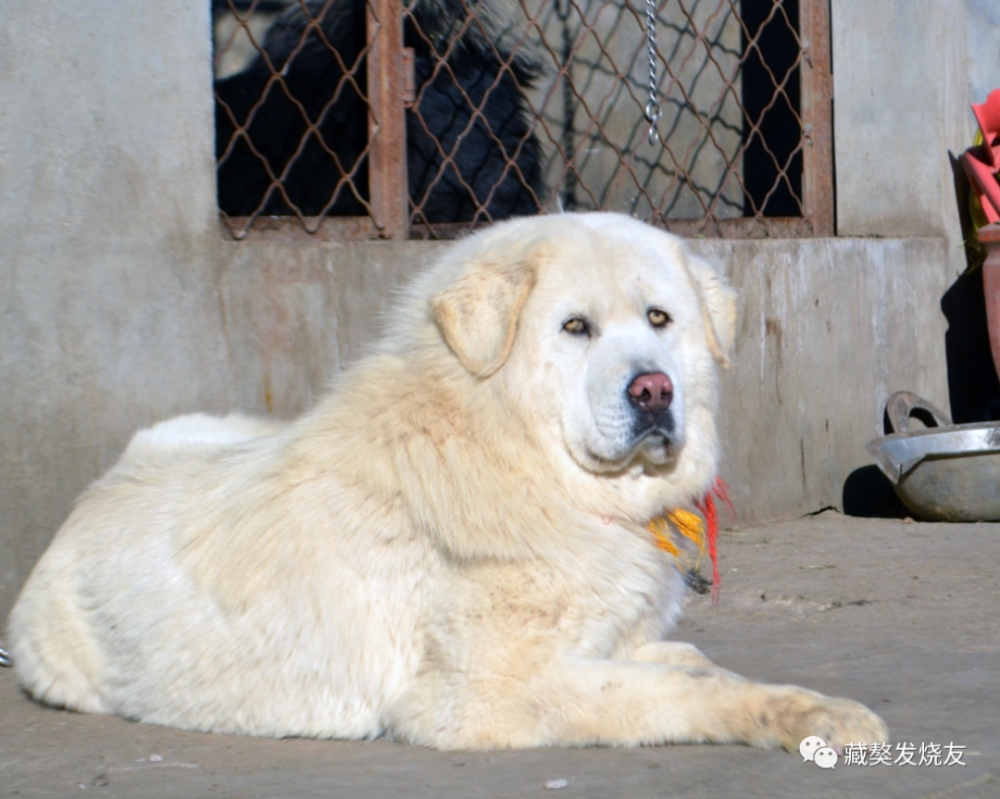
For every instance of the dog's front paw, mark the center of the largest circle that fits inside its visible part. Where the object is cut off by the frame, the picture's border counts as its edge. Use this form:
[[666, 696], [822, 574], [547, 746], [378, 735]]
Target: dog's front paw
[[838, 722]]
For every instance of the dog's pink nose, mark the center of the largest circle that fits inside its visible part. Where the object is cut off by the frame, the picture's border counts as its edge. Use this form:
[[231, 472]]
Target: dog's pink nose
[[652, 391]]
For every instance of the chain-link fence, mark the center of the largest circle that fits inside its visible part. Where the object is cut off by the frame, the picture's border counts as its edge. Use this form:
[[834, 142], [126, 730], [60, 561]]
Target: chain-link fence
[[367, 118]]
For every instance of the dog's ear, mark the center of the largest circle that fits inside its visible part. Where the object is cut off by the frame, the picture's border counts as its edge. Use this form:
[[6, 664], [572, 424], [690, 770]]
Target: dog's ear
[[718, 308], [477, 314]]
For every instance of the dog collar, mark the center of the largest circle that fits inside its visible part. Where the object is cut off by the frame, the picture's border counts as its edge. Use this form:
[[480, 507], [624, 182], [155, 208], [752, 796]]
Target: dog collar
[[703, 532]]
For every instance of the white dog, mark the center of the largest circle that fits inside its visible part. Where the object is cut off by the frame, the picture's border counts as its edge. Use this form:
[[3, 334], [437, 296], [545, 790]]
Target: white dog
[[452, 547]]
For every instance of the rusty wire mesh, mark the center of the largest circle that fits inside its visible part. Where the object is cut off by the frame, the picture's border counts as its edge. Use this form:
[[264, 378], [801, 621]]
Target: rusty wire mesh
[[519, 107]]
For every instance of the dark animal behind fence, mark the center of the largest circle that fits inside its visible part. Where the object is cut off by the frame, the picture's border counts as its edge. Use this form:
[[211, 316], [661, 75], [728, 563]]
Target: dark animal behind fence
[[494, 155]]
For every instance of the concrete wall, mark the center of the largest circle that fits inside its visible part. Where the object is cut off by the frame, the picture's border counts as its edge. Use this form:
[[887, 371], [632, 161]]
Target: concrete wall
[[829, 329], [109, 312], [296, 314], [122, 303], [902, 88]]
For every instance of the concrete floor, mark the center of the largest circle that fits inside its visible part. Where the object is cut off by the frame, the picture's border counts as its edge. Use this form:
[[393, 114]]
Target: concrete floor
[[901, 616]]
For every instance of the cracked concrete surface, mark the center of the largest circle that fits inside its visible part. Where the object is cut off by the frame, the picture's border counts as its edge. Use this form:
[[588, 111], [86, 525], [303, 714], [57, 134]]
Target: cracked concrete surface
[[901, 616]]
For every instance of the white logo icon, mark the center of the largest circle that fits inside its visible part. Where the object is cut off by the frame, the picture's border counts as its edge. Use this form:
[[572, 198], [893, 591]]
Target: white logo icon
[[815, 749], [809, 746]]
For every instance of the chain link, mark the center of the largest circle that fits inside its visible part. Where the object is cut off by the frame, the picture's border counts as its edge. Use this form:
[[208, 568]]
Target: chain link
[[653, 112]]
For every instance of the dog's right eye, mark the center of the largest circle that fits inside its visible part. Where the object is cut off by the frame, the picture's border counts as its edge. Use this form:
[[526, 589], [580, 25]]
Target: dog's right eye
[[576, 326]]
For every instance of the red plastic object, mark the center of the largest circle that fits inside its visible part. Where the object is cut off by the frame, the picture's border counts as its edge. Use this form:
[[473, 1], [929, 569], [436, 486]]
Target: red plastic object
[[988, 117], [983, 162]]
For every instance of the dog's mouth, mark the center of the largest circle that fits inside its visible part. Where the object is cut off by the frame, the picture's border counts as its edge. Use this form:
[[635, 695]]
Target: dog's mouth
[[626, 436], [657, 445], [647, 424], [657, 428]]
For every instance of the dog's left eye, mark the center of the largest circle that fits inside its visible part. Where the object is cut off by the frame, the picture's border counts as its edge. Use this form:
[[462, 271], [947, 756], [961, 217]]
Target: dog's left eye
[[577, 326], [658, 318]]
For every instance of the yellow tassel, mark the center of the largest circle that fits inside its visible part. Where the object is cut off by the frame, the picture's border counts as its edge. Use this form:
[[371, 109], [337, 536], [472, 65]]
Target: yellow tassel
[[661, 534], [688, 524]]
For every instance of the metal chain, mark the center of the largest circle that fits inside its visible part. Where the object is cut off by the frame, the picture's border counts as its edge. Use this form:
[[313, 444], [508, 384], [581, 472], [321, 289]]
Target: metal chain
[[653, 112]]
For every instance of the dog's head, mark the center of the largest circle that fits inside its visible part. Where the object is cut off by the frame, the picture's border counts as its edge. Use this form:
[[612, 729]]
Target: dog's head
[[600, 329]]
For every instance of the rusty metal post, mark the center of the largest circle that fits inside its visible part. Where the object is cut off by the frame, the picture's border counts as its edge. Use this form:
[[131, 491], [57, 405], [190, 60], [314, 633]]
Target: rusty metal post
[[387, 119], [817, 116]]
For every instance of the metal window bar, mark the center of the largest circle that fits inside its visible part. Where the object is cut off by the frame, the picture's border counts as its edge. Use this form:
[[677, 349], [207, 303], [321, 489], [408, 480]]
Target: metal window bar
[[354, 119]]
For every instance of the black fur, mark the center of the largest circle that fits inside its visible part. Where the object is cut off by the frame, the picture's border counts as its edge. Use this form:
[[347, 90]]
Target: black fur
[[311, 76]]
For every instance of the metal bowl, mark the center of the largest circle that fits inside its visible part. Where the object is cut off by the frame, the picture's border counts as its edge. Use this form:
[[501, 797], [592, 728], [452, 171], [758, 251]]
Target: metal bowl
[[942, 473]]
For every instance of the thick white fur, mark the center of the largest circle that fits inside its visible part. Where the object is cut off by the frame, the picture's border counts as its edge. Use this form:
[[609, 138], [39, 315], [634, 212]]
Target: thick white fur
[[450, 548]]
